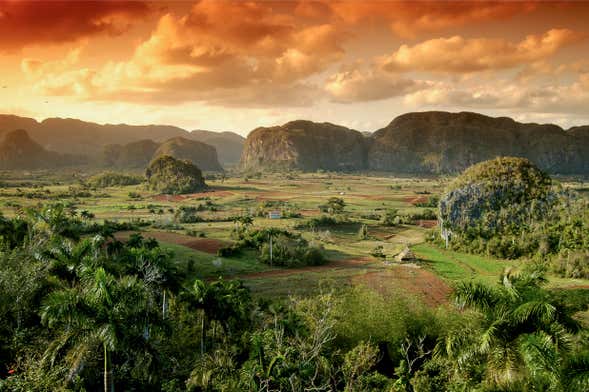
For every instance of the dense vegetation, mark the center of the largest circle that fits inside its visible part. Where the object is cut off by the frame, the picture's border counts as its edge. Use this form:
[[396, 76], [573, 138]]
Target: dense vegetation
[[510, 209], [109, 179], [172, 176], [83, 311], [275, 246]]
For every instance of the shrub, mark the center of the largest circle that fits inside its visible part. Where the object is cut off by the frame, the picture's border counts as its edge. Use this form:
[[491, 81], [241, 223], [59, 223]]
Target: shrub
[[432, 202], [109, 179], [363, 232], [334, 205], [572, 264], [187, 214], [324, 221], [390, 217]]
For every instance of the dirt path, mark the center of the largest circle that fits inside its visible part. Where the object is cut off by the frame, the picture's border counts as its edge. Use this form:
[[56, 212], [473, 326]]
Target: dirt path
[[207, 245]]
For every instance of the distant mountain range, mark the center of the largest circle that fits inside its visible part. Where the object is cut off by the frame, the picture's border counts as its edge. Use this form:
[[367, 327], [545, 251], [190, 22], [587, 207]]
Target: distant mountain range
[[424, 142], [87, 139]]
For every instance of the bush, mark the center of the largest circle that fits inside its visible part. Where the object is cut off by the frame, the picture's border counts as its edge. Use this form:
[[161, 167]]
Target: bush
[[186, 214], [335, 205], [390, 217], [432, 202], [324, 221], [572, 264], [291, 251], [109, 179], [288, 249]]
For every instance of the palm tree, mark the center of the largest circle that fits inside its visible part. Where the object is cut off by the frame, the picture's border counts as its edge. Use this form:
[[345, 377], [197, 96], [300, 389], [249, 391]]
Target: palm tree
[[203, 298], [225, 302], [102, 312], [525, 332], [66, 259], [272, 232]]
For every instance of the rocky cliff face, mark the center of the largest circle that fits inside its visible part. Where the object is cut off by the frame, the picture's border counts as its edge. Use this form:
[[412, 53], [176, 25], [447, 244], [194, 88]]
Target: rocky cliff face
[[200, 154], [304, 145], [441, 142], [229, 145], [19, 151], [136, 155], [426, 142]]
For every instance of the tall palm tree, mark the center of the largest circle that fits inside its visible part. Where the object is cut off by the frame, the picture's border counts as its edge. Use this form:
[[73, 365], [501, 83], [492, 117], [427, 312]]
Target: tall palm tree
[[101, 313], [226, 302], [525, 331]]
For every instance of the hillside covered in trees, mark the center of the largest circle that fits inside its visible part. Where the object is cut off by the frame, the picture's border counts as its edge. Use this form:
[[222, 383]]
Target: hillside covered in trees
[[423, 142], [95, 141]]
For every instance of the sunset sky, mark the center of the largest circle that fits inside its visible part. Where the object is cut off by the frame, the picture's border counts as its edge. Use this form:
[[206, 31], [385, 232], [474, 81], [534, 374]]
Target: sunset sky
[[222, 65]]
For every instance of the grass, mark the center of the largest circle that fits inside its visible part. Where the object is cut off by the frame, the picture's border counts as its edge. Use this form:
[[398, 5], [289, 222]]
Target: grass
[[363, 195], [208, 266], [456, 266]]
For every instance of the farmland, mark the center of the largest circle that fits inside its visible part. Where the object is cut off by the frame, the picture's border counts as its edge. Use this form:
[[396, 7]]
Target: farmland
[[350, 260]]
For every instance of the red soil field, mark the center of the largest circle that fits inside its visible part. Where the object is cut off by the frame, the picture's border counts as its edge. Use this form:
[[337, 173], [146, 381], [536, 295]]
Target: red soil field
[[337, 264], [428, 224], [414, 280], [416, 199], [207, 245], [177, 198]]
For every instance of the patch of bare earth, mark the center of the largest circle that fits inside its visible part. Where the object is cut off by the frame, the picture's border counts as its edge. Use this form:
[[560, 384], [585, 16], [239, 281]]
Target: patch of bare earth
[[178, 198], [416, 199], [310, 212], [428, 224], [207, 245], [336, 264], [408, 279]]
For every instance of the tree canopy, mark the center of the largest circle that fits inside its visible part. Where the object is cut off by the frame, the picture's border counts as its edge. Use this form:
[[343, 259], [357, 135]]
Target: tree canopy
[[169, 175]]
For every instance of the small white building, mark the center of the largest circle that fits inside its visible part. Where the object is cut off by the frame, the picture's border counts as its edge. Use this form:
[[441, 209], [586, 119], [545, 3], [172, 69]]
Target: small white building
[[275, 214]]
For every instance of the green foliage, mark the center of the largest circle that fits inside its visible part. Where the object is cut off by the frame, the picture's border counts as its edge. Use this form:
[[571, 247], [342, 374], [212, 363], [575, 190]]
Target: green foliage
[[391, 217], [572, 264], [187, 214], [378, 251], [334, 205], [324, 221], [524, 335], [277, 247], [172, 176], [432, 202], [363, 232], [110, 179], [509, 209]]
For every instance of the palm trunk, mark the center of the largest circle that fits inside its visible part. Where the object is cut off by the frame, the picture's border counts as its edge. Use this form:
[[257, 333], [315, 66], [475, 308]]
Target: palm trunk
[[202, 334], [270, 250], [109, 385], [164, 305]]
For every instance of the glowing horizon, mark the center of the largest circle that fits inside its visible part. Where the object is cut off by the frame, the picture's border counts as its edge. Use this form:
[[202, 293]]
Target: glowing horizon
[[234, 66]]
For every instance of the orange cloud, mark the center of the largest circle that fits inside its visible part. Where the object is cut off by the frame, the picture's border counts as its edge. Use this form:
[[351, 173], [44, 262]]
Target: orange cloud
[[233, 52], [458, 54], [411, 18], [357, 85], [24, 23]]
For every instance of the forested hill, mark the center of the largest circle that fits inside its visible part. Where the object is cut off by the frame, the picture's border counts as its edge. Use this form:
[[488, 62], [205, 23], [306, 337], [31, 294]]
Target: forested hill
[[71, 136], [424, 142]]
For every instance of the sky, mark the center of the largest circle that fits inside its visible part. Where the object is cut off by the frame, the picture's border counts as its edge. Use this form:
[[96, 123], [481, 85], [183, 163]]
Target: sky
[[237, 65]]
